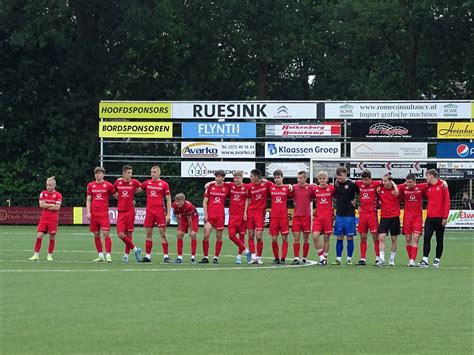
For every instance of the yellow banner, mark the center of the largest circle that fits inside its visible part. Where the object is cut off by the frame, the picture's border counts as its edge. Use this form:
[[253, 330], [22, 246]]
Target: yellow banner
[[456, 130], [135, 110], [135, 129]]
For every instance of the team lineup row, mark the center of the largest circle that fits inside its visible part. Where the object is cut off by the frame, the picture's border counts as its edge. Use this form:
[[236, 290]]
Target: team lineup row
[[247, 207]]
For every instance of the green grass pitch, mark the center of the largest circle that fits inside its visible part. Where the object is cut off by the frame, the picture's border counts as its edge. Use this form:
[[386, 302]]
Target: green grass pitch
[[76, 306]]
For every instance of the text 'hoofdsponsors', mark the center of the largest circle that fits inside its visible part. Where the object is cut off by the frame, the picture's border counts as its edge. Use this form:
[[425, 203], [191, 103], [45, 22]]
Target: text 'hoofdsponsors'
[[137, 110]]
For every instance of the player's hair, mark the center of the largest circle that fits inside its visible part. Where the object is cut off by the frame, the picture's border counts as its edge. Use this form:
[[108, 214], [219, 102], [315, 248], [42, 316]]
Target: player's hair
[[388, 175], [411, 176], [157, 168], [256, 172], [219, 172], [278, 172], [432, 172], [52, 178], [238, 173], [99, 169], [323, 174], [180, 196], [302, 172], [366, 174], [126, 167], [340, 170]]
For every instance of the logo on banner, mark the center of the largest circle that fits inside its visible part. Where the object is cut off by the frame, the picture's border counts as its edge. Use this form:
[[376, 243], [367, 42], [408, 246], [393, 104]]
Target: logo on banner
[[450, 110], [346, 110], [462, 150], [463, 130], [387, 129], [272, 149], [201, 150], [282, 110], [197, 169]]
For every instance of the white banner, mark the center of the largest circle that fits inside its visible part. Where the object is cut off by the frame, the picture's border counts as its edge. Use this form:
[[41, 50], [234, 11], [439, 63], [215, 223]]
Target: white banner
[[249, 109], [289, 169], [302, 150], [304, 130], [397, 170], [397, 110], [206, 169], [217, 150], [461, 219], [389, 151]]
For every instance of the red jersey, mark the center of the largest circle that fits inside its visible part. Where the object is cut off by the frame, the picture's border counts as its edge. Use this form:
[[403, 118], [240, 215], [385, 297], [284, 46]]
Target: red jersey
[[155, 190], [412, 198], [126, 194], [389, 203], [187, 209], [216, 199], [238, 196], [279, 197], [323, 196], [257, 193], [54, 198], [100, 194], [302, 196], [438, 200], [368, 196]]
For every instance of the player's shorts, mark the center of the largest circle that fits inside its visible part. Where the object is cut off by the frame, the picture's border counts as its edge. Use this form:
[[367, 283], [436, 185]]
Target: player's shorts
[[412, 224], [391, 225], [184, 225], [278, 225], [368, 222], [322, 225], [155, 218], [216, 221], [256, 220], [236, 225], [126, 221], [99, 222], [301, 224], [345, 226], [45, 226]]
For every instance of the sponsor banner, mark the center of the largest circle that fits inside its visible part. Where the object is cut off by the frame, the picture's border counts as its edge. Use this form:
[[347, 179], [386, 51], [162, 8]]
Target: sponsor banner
[[464, 150], [460, 219], [277, 150], [31, 215], [456, 174], [304, 130], [218, 149], [135, 130], [206, 169], [219, 130], [397, 170], [110, 109], [383, 129], [290, 170], [397, 110], [455, 130], [250, 109], [389, 151]]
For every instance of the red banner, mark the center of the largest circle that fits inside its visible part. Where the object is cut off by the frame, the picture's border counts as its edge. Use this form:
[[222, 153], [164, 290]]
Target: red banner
[[31, 215]]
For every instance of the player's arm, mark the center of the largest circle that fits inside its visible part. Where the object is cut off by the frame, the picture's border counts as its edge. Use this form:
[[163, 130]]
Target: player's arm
[[168, 208], [395, 191], [55, 207], [247, 201], [88, 206], [446, 206], [204, 207]]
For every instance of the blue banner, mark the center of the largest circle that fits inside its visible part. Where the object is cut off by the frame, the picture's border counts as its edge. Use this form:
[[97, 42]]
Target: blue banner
[[219, 130], [463, 150]]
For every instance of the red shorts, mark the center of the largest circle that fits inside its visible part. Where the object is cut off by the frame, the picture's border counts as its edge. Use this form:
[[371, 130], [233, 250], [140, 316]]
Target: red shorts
[[236, 225], [322, 224], [126, 221], [279, 225], [184, 225], [99, 222], [368, 222], [155, 218], [45, 226], [216, 221], [301, 224], [412, 224], [256, 220]]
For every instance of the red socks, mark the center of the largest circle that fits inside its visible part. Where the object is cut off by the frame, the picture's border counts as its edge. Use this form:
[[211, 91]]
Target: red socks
[[275, 250], [284, 249], [252, 245], [259, 247], [193, 246], [305, 250], [408, 247], [242, 239], [38, 245], [205, 247], [376, 248], [218, 247], [363, 249], [128, 244], [148, 246], [237, 242], [164, 246], [108, 245], [179, 248], [296, 250], [414, 252], [98, 244], [51, 246]]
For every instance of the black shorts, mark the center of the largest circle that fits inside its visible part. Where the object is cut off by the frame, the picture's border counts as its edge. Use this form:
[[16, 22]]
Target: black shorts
[[391, 225]]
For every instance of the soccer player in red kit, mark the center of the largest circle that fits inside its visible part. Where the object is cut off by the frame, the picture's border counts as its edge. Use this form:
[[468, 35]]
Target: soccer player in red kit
[[188, 222], [125, 188], [50, 201], [156, 191], [437, 214], [302, 194], [214, 215], [368, 220], [389, 217], [324, 214], [97, 206], [278, 214], [257, 192]]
